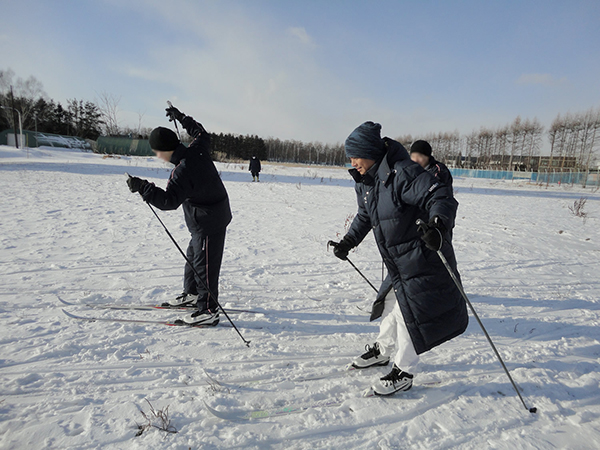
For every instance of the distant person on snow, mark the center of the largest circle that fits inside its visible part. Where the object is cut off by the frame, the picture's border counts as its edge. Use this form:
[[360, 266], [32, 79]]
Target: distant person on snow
[[425, 307], [420, 152], [254, 168], [195, 184]]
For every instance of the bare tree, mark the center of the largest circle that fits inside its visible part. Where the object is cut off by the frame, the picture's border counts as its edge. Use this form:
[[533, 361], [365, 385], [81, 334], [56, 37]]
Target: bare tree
[[590, 124], [501, 146], [26, 93], [484, 147], [140, 120], [515, 138], [532, 142], [108, 104]]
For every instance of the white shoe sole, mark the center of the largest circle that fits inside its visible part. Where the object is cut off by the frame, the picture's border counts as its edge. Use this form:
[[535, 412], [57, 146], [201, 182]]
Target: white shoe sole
[[211, 320], [190, 302], [382, 362], [383, 391]]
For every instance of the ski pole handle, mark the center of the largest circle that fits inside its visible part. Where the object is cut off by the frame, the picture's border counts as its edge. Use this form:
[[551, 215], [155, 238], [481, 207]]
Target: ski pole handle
[[172, 119]]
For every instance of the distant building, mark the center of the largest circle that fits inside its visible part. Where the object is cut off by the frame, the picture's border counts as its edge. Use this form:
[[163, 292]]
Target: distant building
[[515, 163], [557, 164]]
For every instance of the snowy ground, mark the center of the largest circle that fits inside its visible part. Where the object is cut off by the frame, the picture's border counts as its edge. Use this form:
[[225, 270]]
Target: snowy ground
[[69, 227]]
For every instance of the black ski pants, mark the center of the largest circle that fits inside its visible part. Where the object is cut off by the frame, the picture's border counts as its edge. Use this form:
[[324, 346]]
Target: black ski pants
[[205, 251]]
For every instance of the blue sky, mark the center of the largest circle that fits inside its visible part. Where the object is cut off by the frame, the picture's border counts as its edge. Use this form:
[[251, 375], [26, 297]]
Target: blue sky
[[313, 70]]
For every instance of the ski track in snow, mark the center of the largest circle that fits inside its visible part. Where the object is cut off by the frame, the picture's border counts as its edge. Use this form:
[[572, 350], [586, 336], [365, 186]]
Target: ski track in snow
[[70, 227]]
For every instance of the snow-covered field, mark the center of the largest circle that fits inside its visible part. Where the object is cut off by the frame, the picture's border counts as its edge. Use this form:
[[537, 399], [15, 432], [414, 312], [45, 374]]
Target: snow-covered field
[[69, 227]]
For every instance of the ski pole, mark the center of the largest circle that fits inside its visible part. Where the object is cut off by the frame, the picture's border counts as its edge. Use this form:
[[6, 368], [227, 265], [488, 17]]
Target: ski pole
[[460, 288], [198, 275], [361, 274], [333, 244], [174, 120]]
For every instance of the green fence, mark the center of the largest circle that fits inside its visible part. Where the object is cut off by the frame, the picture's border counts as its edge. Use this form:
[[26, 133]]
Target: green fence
[[123, 146]]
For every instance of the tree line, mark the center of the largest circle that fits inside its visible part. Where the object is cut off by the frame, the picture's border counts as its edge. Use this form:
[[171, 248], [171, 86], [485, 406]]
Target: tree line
[[231, 147], [574, 138], [38, 113], [574, 141], [305, 153]]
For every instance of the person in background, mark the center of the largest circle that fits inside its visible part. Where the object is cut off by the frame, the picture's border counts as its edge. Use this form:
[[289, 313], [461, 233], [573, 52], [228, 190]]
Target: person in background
[[420, 152], [254, 168]]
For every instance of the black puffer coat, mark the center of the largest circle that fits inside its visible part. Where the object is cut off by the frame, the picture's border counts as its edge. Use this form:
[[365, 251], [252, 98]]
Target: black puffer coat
[[195, 183], [391, 197], [254, 165]]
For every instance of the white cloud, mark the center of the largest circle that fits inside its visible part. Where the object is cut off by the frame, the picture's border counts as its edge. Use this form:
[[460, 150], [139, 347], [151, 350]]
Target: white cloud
[[543, 79], [243, 74], [301, 34]]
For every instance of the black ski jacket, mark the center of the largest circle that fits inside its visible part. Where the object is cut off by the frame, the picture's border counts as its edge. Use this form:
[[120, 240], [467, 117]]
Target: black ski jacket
[[195, 184], [391, 197]]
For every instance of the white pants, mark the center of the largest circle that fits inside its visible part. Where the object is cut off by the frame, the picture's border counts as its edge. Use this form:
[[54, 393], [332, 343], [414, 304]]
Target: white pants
[[393, 333]]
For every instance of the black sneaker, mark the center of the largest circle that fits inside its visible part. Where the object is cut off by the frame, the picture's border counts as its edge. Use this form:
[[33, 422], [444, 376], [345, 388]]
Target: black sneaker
[[396, 380], [202, 318], [372, 357], [183, 300]]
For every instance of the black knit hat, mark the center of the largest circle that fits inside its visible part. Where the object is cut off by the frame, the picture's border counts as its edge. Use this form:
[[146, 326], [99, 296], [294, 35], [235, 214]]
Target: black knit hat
[[365, 142], [421, 147], [163, 140]]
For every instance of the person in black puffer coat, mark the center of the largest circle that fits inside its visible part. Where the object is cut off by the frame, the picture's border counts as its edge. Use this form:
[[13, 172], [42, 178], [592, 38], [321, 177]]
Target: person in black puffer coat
[[195, 184], [254, 168], [426, 308]]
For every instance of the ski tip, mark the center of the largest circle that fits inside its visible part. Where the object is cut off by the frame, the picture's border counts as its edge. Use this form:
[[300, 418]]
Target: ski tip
[[214, 412], [64, 301], [232, 417], [350, 366], [73, 316], [368, 392]]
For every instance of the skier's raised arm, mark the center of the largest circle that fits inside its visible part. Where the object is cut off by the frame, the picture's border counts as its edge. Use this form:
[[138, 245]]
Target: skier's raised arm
[[200, 136]]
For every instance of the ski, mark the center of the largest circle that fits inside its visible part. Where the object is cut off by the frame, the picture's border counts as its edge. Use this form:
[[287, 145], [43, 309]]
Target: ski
[[269, 413], [348, 368], [151, 307], [261, 379], [290, 408], [175, 323], [245, 415]]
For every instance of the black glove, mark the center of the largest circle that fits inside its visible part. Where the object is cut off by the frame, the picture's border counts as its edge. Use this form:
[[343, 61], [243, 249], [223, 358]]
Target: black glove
[[433, 233], [173, 114], [342, 248], [136, 184]]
